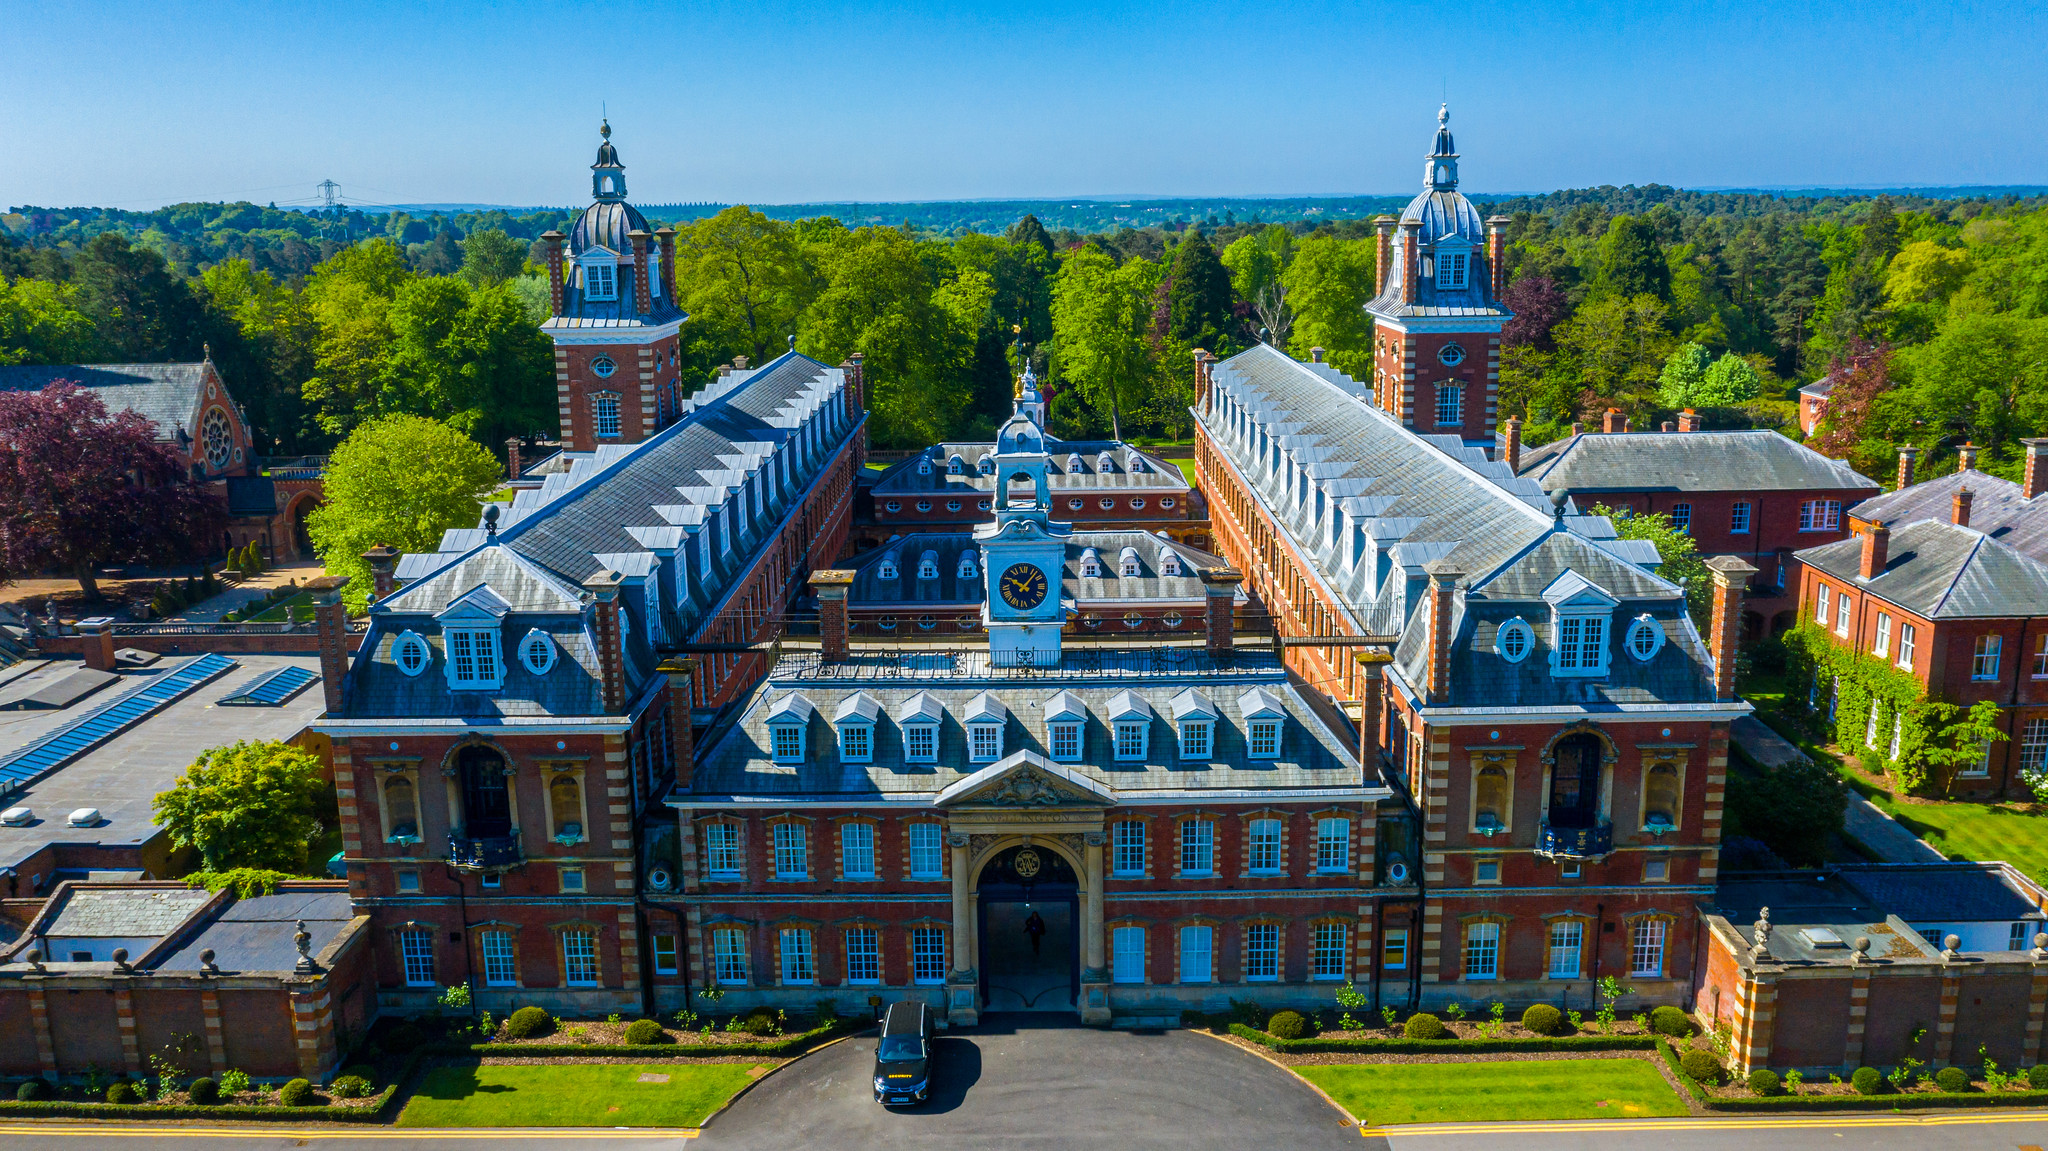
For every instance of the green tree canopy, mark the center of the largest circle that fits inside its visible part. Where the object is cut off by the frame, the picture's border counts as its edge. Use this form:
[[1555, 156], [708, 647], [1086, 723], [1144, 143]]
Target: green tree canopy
[[1632, 261], [1198, 302], [1103, 316], [1328, 283], [745, 278], [254, 804], [400, 480], [489, 256], [40, 323], [1680, 555], [1685, 371], [1732, 380]]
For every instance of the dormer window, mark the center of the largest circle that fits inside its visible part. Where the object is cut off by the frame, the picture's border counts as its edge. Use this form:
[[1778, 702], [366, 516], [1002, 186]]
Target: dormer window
[[1451, 270], [1127, 564], [985, 719], [856, 719], [1169, 562], [887, 568], [1091, 563], [1065, 741], [918, 718], [928, 565], [537, 652], [968, 568], [1645, 637], [1073, 463], [1514, 640], [1065, 716], [1196, 717], [1138, 464], [473, 659], [1130, 739], [600, 279], [956, 466], [787, 723], [1104, 463], [1580, 611], [1130, 721], [986, 467], [1263, 714], [411, 653], [924, 465]]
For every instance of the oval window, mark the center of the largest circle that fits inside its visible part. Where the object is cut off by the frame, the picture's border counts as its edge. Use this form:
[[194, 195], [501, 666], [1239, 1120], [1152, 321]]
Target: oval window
[[1645, 637], [1451, 355], [1074, 505], [1137, 504], [1133, 620], [537, 652], [410, 653], [888, 623], [952, 505], [893, 506], [1166, 502], [603, 367], [1172, 619], [924, 505], [1106, 503], [1514, 641]]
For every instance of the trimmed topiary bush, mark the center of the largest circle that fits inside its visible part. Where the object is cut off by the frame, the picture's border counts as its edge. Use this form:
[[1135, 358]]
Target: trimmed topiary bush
[[1423, 1025], [1952, 1080], [349, 1087], [645, 1031], [1287, 1025], [123, 1092], [1764, 1081], [528, 1022], [1543, 1019], [205, 1092], [32, 1090], [1867, 1081], [362, 1071], [759, 1025], [2037, 1077], [1670, 1021], [297, 1093], [1700, 1065]]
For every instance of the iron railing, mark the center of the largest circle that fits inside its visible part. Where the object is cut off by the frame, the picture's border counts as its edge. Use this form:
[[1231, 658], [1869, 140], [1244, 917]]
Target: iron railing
[[489, 853], [1575, 842]]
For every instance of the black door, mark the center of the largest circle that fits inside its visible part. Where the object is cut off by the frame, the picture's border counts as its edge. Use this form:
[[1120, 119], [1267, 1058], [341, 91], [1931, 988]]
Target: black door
[[1575, 783], [486, 809]]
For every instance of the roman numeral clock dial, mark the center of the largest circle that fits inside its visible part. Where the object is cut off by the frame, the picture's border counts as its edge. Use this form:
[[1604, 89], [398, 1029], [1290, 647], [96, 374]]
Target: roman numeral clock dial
[[1022, 586]]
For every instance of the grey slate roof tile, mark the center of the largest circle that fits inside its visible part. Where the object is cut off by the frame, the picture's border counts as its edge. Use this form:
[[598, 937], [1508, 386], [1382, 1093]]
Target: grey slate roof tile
[[1730, 461], [1937, 570], [165, 394]]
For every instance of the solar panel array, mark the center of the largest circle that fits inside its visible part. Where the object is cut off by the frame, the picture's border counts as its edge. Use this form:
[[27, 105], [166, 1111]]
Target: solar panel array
[[270, 689], [64, 744]]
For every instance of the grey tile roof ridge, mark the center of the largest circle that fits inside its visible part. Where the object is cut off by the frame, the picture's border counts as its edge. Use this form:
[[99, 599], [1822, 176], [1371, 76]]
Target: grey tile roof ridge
[[560, 586], [1689, 461], [2019, 586]]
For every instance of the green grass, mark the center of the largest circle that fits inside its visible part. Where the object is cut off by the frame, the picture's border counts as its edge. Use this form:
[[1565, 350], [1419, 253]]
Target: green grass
[[1187, 468], [1384, 1093], [300, 606], [574, 1095]]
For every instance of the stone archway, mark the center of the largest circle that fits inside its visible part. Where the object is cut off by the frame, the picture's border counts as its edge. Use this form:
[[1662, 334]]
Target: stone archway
[[1027, 929]]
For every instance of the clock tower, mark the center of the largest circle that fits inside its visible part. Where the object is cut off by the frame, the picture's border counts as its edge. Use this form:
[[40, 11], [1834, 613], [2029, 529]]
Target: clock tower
[[1024, 552]]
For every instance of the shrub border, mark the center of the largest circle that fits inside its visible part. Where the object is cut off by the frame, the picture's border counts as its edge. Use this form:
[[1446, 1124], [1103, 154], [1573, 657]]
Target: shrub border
[[1448, 1046], [787, 1045], [68, 1109], [1890, 1101]]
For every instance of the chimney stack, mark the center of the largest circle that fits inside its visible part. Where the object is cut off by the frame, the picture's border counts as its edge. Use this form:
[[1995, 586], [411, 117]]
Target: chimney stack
[[832, 584], [1731, 576], [383, 561], [1667, 426], [553, 240], [99, 642], [1578, 428], [1443, 582], [604, 627], [665, 239], [1688, 421], [1960, 513], [1202, 378], [1613, 422], [330, 619], [643, 300], [1372, 705], [1496, 255], [1966, 458], [1219, 608], [1907, 454], [513, 447], [1511, 444], [1411, 258], [681, 698], [1383, 236], [2037, 469], [1877, 540], [1315, 354]]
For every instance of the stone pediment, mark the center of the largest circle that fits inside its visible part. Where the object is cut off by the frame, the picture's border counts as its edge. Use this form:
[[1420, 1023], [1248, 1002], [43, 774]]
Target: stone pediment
[[1025, 779]]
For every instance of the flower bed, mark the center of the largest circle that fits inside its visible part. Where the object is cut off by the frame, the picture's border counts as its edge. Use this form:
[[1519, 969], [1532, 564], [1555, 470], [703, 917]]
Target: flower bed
[[1514, 1038], [681, 1045], [256, 1104], [1840, 1096]]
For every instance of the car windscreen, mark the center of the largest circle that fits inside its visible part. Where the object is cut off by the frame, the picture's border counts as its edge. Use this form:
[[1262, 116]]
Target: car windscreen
[[901, 1049]]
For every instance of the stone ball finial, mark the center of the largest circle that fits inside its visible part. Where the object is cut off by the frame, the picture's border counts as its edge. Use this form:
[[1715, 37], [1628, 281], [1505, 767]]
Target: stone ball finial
[[1862, 950], [35, 958], [2041, 944], [1950, 945], [121, 958], [206, 963]]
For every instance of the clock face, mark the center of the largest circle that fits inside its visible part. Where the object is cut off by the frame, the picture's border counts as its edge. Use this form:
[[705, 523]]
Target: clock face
[[1023, 586]]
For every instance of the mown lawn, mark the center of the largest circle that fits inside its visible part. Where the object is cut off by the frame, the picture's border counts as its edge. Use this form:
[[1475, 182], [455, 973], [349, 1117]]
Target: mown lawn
[[1187, 468], [1384, 1093], [575, 1095]]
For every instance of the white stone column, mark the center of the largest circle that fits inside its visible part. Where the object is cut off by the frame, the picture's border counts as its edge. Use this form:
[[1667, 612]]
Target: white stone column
[[963, 908], [1091, 910]]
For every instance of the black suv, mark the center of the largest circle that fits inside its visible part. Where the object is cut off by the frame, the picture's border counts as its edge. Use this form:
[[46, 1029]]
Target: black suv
[[903, 1054]]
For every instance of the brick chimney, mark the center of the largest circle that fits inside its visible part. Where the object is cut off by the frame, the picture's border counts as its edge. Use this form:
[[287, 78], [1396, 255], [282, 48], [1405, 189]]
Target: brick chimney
[[553, 240], [1612, 422], [513, 447], [1372, 705], [1383, 237], [1966, 458], [99, 642], [604, 626], [1202, 378], [1219, 608], [2036, 480], [1443, 581], [1578, 428], [1731, 577], [665, 239], [330, 620], [1688, 421], [1907, 454], [832, 584], [643, 300], [1877, 540], [1496, 255], [1315, 354], [1511, 443], [1667, 426], [681, 698], [1411, 259], [383, 561], [1959, 512]]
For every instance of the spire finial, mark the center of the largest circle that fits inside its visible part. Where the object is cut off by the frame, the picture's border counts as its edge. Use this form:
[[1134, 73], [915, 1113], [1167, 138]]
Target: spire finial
[[1443, 113], [605, 128]]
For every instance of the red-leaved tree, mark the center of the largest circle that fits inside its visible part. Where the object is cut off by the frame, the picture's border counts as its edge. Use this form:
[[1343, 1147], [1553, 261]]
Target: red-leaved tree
[[1861, 374], [80, 489]]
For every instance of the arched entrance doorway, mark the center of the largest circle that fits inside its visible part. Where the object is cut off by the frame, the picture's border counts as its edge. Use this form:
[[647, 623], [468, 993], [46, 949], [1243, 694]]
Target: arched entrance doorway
[[486, 804], [1029, 931]]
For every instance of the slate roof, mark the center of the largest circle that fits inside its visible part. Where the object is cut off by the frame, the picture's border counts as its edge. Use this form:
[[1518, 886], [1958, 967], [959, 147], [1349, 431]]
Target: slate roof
[[871, 590], [1997, 508], [122, 911], [1945, 891], [1443, 213], [166, 394], [736, 763], [1731, 461], [256, 934], [1937, 570], [1803, 899], [1063, 474]]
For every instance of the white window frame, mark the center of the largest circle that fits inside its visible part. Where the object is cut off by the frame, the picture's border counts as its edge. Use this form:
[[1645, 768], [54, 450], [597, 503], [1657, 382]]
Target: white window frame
[[927, 956], [1197, 846], [1127, 848], [920, 743], [1262, 953], [1394, 938], [857, 851], [1126, 750], [1842, 613], [1985, 656], [1908, 634], [799, 957], [1330, 946], [580, 967], [1263, 739], [600, 279], [2034, 746], [863, 956], [416, 951], [475, 650], [729, 956], [1514, 640], [1333, 845], [537, 651], [411, 644], [1882, 645], [1738, 518], [1820, 516], [1567, 949], [1644, 632], [1452, 270], [1197, 953], [984, 742], [722, 851], [1580, 634], [501, 968], [1127, 955], [1481, 960], [606, 422], [1450, 404], [1064, 741], [1820, 604], [792, 851], [927, 845], [664, 953], [856, 742], [1197, 738], [1646, 948], [1263, 838]]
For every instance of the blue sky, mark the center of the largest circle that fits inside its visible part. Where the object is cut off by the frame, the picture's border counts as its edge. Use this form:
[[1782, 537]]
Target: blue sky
[[139, 104]]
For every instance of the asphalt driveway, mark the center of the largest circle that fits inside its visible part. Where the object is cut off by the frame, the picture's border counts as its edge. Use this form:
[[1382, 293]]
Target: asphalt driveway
[[1021, 1081]]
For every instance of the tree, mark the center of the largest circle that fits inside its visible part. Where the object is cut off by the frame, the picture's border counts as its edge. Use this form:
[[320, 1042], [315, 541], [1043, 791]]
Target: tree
[[1029, 231], [142, 312], [1795, 809], [274, 350], [1730, 381], [253, 804], [1539, 305], [744, 277], [1862, 374], [80, 489], [1963, 739], [1103, 316], [1328, 284], [1198, 298], [882, 298], [40, 323], [1685, 370], [489, 256], [1679, 556], [1631, 261], [349, 297], [1257, 262], [1620, 345], [400, 480]]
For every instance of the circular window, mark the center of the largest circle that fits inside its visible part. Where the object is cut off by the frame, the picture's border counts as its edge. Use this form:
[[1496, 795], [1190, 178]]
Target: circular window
[[410, 653], [969, 623], [1137, 503], [893, 506], [1166, 502], [952, 505], [1091, 620], [537, 652], [218, 438], [1514, 640], [888, 623], [982, 504], [1451, 355], [603, 367], [926, 622], [924, 505], [1074, 505], [1106, 503], [1645, 637], [1133, 620], [1172, 619]]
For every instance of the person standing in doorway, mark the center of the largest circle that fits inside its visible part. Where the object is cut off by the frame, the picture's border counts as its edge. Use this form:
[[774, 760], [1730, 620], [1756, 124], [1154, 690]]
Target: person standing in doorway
[[1035, 928]]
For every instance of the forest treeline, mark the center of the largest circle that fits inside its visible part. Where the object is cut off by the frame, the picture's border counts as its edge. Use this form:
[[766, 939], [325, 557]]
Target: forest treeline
[[1933, 313]]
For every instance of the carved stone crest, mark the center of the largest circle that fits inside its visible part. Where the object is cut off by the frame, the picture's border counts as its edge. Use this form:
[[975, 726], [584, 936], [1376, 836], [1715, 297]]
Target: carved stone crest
[[1025, 789]]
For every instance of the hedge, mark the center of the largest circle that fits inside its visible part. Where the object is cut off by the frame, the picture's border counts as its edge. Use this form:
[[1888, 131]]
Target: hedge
[[1892, 1102], [1448, 1046], [786, 1045], [67, 1109]]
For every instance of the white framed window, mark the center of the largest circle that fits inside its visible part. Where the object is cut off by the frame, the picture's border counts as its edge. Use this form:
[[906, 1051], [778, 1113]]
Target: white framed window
[[1262, 952], [2017, 940], [799, 965], [729, 955], [1482, 950], [604, 414], [786, 741], [921, 742], [1907, 633], [1327, 959], [1820, 516], [1820, 605], [579, 957], [601, 281], [1197, 954], [1127, 847], [1514, 640], [1198, 847], [1981, 766], [1582, 644], [664, 954], [2034, 746], [927, 955], [570, 879], [1066, 742], [1681, 517], [537, 652], [1646, 948], [1842, 613], [499, 968], [1194, 738], [927, 853], [411, 653], [863, 956], [722, 850], [1450, 404], [857, 742], [1263, 857], [792, 852], [1333, 845], [1130, 740], [416, 953], [1450, 270], [1127, 955], [1567, 939], [857, 850], [1394, 949], [1898, 732], [1870, 727], [1264, 739], [985, 742], [1645, 638], [473, 658], [2041, 659], [1985, 655], [1882, 645], [1738, 518]]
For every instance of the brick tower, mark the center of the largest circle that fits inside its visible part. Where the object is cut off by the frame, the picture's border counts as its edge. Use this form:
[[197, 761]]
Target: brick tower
[[1436, 348], [614, 318]]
